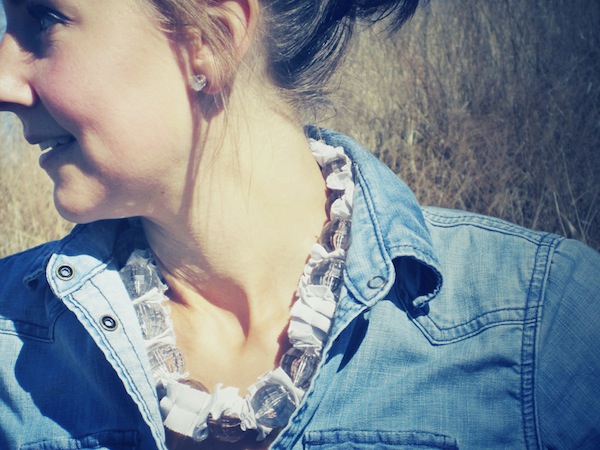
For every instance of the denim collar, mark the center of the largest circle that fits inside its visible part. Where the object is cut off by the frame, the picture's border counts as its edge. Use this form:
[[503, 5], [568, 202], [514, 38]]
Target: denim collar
[[390, 240]]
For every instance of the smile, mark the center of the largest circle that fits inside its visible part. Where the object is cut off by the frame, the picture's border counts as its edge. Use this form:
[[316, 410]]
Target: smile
[[55, 142], [52, 148]]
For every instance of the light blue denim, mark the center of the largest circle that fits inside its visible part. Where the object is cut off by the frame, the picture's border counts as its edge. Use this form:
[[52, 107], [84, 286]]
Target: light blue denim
[[453, 330]]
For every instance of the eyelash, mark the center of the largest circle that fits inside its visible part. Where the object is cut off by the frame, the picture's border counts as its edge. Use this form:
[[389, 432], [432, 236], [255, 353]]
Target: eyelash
[[46, 17]]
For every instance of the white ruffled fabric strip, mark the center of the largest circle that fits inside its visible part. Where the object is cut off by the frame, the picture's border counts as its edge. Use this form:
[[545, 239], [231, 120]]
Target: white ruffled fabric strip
[[341, 180], [226, 400], [312, 314], [325, 153], [319, 298], [304, 312], [184, 407], [342, 207], [303, 333]]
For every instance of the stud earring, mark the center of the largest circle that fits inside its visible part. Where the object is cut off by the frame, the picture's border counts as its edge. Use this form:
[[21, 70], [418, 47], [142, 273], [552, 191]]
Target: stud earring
[[198, 82]]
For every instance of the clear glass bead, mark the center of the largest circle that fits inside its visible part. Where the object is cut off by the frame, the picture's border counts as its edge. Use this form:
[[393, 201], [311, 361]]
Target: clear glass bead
[[332, 166], [165, 359], [225, 428], [139, 278], [200, 432], [300, 363], [152, 318], [273, 405], [328, 272], [336, 235]]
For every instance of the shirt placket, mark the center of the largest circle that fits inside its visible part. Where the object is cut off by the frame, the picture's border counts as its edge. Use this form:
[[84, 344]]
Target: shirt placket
[[100, 302]]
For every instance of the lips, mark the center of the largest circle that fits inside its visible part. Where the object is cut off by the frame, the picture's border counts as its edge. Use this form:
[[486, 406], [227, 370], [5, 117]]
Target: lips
[[55, 142], [52, 148]]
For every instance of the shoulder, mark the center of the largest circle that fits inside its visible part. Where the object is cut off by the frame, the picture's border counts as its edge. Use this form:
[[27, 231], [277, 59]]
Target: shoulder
[[24, 295], [25, 267], [557, 266], [500, 258], [26, 271], [28, 304], [496, 272], [492, 248]]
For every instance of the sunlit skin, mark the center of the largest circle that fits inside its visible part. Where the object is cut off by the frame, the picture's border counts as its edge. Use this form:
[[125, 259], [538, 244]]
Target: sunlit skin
[[230, 205]]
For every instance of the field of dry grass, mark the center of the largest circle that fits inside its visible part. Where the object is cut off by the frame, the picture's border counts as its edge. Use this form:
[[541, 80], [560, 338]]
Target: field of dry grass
[[491, 107]]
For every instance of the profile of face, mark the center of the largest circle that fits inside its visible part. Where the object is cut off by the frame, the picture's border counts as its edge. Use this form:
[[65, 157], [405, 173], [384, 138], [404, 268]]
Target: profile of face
[[103, 91]]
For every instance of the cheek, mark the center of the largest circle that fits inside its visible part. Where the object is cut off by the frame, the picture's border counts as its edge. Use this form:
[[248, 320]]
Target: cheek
[[130, 109], [71, 92]]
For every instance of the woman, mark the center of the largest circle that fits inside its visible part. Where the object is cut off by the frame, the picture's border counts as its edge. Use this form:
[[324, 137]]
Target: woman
[[173, 316]]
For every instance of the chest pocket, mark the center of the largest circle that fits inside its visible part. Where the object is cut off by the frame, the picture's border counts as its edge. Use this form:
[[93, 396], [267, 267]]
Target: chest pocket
[[107, 440], [376, 440]]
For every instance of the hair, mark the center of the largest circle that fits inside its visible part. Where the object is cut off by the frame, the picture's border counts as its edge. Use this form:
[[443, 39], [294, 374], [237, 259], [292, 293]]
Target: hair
[[306, 40], [303, 41]]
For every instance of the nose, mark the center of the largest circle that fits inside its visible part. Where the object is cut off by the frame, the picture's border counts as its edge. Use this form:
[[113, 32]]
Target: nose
[[15, 67]]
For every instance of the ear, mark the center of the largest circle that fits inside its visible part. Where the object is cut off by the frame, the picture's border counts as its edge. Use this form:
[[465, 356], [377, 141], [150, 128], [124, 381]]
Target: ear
[[219, 51]]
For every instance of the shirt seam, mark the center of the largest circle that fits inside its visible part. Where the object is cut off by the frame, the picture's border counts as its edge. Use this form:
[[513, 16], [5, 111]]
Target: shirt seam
[[530, 343], [487, 223]]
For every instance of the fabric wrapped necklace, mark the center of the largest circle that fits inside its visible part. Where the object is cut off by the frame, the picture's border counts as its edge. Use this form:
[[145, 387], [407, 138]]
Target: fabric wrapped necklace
[[187, 407]]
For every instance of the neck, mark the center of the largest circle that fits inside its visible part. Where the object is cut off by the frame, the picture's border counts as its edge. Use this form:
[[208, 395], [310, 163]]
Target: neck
[[256, 207]]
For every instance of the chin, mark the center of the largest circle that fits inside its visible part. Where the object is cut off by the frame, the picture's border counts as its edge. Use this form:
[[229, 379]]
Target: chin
[[82, 214], [79, 202], [74, 216], [76, 211], [82, 203]]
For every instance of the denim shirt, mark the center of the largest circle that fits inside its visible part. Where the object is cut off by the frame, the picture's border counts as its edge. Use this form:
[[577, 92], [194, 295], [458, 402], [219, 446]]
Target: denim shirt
[[453, 330]]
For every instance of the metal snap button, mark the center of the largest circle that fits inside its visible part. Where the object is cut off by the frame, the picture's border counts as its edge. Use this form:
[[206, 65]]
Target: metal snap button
[[65, 272], [376, 282], [109, 323]]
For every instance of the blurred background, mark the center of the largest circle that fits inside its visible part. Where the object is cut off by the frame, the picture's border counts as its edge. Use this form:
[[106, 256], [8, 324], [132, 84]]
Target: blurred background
[[491, 107]]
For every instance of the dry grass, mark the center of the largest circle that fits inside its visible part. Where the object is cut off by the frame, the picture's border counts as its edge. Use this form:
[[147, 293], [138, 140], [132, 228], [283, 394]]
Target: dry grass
[[492, 107], [27, 214]]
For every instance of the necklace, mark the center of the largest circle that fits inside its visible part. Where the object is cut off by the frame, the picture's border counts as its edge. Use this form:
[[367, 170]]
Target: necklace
[[187, 408]]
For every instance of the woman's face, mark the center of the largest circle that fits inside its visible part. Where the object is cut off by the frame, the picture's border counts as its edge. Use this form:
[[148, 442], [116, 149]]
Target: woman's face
[[105, 90]]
